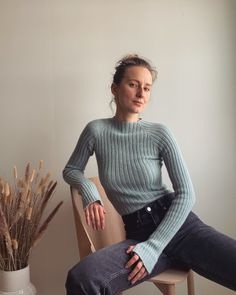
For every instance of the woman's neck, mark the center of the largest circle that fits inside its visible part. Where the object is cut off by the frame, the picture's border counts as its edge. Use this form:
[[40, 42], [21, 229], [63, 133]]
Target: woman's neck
[[127, 117]]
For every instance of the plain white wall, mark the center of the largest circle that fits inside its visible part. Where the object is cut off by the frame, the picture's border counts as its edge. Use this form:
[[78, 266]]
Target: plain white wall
[[56, 63]]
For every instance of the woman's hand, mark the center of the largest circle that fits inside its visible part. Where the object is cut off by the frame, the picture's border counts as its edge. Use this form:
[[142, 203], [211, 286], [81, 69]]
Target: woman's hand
[[139, 272], [95, 215]]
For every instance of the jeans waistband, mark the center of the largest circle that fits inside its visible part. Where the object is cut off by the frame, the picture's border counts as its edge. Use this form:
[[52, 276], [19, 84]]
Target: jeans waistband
[[161, 204]]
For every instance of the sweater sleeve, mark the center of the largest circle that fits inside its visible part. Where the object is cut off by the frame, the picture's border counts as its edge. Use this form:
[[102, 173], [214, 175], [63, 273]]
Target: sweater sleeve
[[73, 172], [150, 250]]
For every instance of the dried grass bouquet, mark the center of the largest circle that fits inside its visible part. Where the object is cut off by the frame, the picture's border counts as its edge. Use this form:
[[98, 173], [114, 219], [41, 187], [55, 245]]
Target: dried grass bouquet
[[21, 210]]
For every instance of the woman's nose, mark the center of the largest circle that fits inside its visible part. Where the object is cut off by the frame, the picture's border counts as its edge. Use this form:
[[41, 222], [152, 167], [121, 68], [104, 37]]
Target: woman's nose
[[140, 92]]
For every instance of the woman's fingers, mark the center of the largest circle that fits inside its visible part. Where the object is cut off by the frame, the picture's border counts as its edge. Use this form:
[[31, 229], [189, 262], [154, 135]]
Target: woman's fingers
[[95, 216], [132, 260], [91, 214], [97, 223], [139, 271], [87, 216], [130, 249], [102, 217]]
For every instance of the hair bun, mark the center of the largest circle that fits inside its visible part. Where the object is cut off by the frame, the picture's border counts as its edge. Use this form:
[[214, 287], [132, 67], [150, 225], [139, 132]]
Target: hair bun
[[131, 60]]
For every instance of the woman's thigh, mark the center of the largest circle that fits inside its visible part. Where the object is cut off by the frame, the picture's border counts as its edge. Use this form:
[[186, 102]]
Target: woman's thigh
[[205, 250], [104, 272]]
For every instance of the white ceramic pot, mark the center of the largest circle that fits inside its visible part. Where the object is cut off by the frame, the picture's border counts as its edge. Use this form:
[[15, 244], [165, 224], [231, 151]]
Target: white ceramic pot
[[16, 282]]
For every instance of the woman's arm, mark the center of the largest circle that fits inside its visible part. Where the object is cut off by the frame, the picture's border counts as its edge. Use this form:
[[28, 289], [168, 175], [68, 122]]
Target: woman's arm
[[73, 173], [150, 250]]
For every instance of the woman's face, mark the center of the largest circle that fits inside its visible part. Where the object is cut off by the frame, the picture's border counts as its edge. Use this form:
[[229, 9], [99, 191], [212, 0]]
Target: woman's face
[[133, 93]]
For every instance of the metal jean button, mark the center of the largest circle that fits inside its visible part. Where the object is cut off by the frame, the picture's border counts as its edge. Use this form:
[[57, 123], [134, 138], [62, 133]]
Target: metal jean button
[[148, 209]]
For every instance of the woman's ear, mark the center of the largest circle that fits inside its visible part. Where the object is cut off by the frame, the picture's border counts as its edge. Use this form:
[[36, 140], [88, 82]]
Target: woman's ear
[[114, 89]]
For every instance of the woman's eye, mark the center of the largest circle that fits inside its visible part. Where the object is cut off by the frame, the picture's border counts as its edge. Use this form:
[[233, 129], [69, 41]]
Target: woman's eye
[[146, 89], [132, 84]]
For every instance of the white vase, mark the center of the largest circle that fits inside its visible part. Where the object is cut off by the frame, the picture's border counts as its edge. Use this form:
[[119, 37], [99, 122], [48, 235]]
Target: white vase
[[16, 282]]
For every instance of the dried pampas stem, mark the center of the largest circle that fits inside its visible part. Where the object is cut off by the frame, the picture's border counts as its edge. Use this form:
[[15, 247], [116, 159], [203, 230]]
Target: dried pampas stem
[[6, 190], [32, 175], [27, 172], [40, 164], [3, 225], [15, 172], [29, 213], [4, 231], [1, 186], [44, 226], [14, 244], [22, 207]]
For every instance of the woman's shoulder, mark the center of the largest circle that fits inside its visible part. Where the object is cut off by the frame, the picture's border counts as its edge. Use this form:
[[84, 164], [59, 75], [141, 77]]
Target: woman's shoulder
[[97, 125], [160, 134], [156, 127]]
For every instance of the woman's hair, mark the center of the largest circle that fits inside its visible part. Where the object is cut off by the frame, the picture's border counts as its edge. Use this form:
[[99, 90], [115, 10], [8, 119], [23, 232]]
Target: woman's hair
[[129, 61]]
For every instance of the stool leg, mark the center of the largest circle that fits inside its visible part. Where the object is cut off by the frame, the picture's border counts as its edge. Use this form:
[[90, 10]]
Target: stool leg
[[166, 289], [190, 283], [170, 290]]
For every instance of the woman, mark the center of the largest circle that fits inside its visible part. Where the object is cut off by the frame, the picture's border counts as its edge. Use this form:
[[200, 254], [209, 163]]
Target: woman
[[160, 228]]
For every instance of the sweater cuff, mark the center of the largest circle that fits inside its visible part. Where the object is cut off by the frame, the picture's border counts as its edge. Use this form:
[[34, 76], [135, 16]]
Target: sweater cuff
[[89, 193], [147, 255]]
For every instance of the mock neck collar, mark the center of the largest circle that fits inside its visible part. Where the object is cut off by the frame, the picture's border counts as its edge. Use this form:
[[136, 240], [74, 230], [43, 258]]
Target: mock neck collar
[[125, 126]]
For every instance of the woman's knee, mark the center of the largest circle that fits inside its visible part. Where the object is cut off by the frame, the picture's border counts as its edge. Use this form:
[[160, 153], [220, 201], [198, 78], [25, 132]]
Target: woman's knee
[[94, 272], [84, 278], [80, 272], [74, 279]]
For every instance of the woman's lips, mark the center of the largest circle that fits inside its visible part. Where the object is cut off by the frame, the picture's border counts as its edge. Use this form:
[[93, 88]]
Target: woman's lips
[[138, 103]]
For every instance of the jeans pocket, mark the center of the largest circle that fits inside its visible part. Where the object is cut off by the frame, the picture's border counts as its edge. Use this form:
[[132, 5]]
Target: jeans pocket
[[156, 217], [141, 229], [143, 223]]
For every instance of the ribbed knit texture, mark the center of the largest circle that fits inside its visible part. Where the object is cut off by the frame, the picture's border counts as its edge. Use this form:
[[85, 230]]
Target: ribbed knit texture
[[129, 157]]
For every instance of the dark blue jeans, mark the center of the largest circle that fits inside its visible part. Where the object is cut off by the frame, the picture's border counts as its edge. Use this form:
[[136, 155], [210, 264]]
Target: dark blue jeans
[[196, 246]]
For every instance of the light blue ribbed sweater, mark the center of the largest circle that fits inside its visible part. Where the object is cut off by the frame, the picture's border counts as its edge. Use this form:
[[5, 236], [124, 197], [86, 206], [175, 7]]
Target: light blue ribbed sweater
[[130, 157]]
